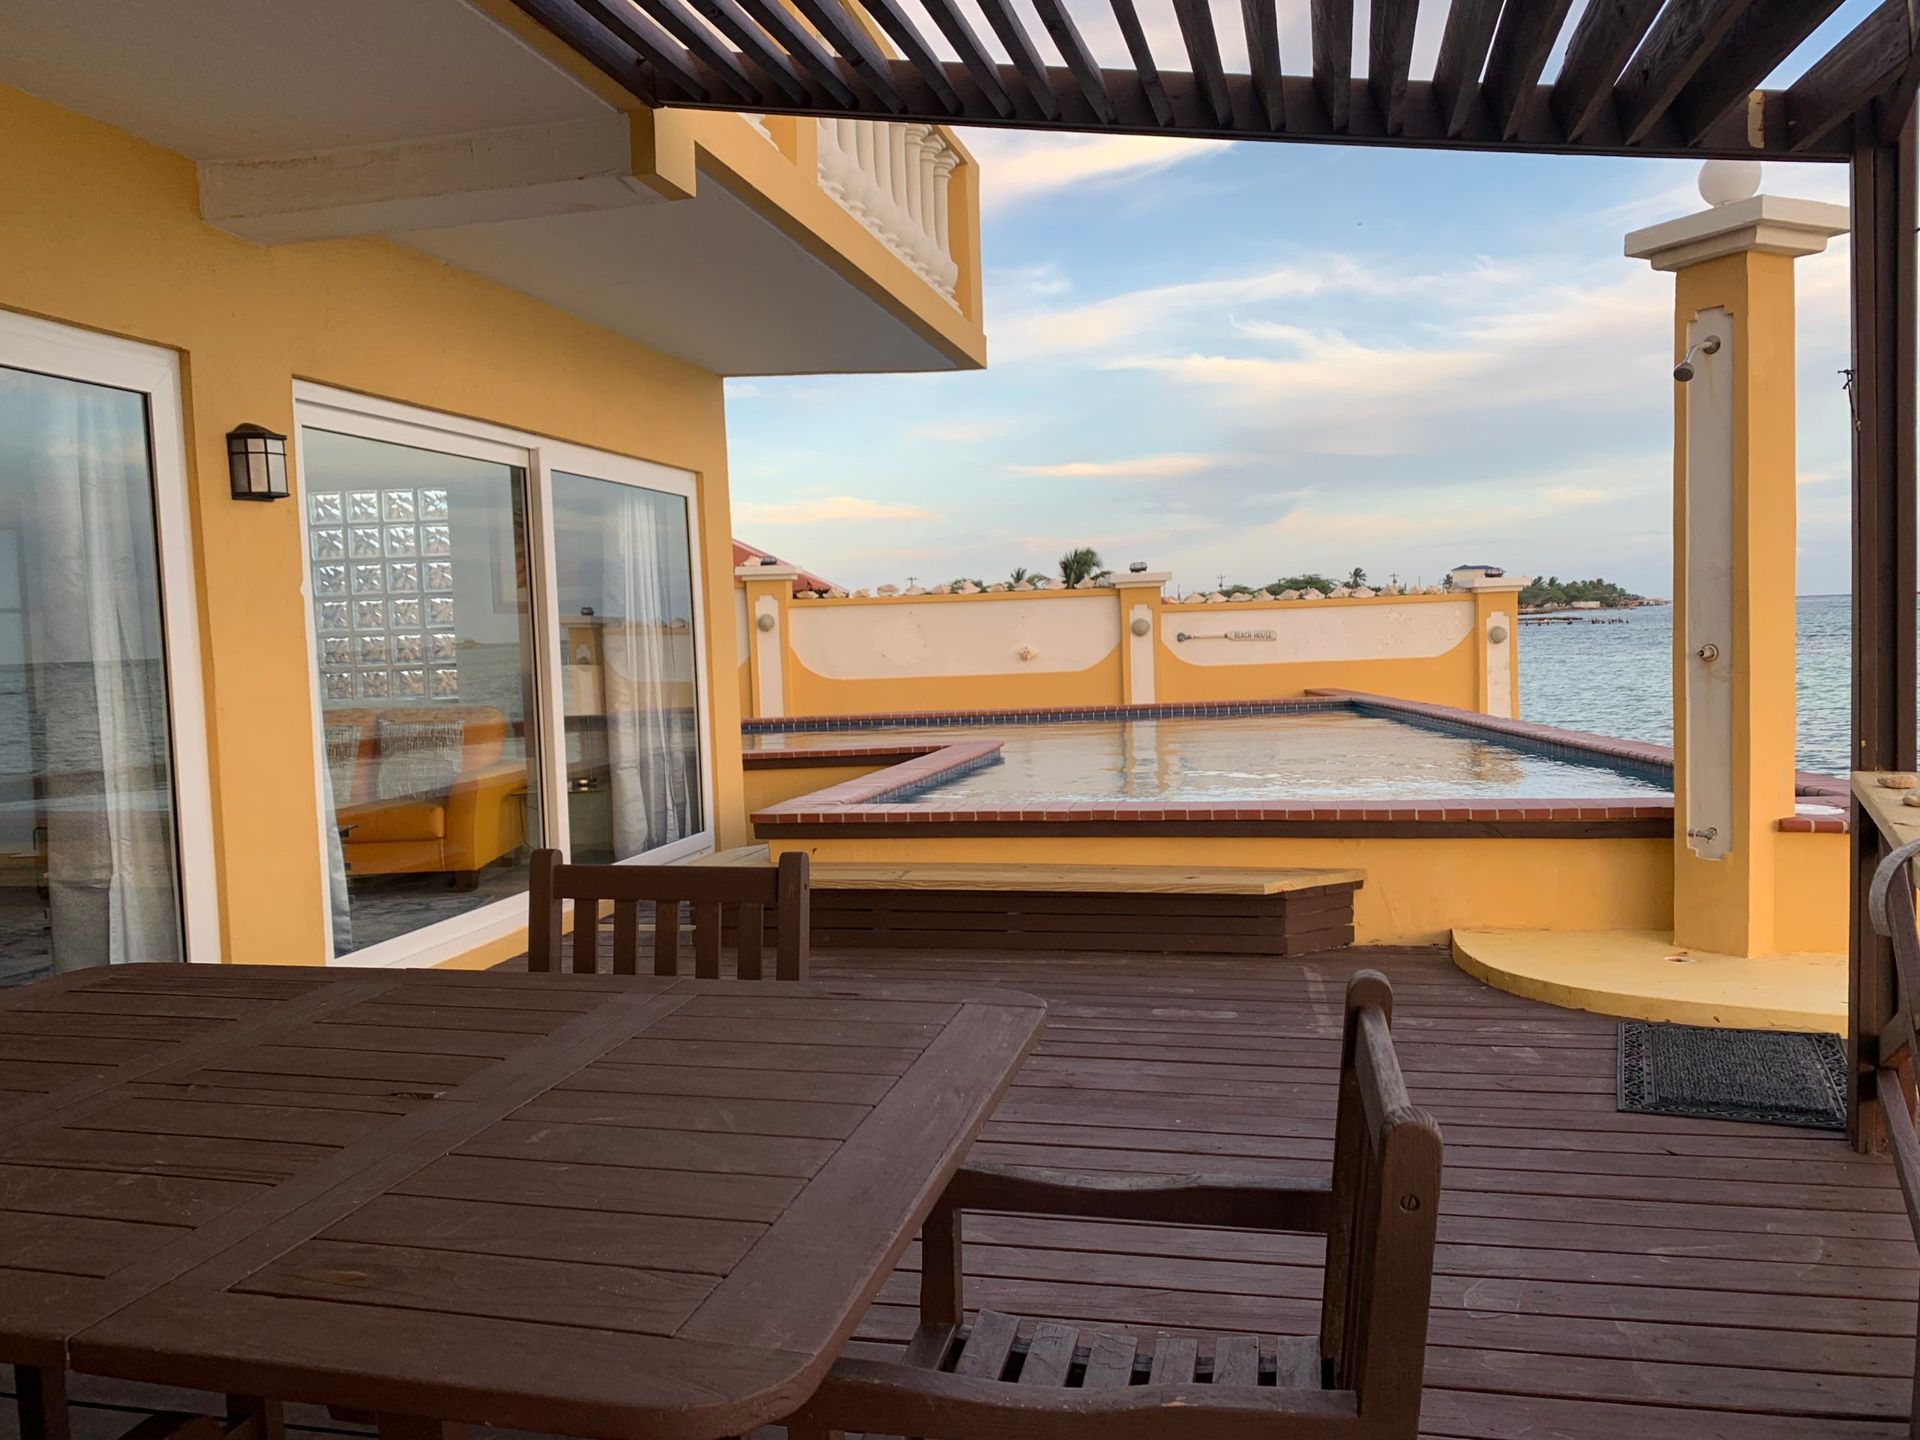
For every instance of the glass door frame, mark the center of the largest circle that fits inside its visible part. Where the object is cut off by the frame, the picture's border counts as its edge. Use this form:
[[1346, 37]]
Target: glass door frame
[[325, 407], [64, 352]]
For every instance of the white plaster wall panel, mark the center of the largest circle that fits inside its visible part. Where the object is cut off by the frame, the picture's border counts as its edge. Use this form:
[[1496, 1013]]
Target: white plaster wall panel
[[895, 638], [1140, 648], [769, 651], [1499, 665], [1316, 631], [1706, 812]]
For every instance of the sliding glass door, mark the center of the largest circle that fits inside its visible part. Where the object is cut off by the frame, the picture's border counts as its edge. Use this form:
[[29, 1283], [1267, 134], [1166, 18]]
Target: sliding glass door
[[90, 815], [505, 657], [623, 569]]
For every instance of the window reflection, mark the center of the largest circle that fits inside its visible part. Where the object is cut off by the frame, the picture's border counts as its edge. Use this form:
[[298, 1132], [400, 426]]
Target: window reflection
[[88, 867], [624, 573], [421, 617]]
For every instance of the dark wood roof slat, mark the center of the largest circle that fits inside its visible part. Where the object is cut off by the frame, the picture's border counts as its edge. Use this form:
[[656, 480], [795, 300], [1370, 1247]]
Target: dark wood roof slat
[[913, 45], [606, 36], [1332, 22], [871, 67], [1262, 26], [703, 43], [1144, 65], [1518, 56], [1390, 57], [1073, 49], [1872, 57], [774, 17], [1026, 59], [1760, 40], [1608, 33], [1203, 51], [737, 25], [1463, 51], [1680, 42], [973, 54]]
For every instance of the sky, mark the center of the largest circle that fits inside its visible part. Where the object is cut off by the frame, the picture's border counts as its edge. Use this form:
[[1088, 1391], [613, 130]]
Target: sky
[[1245, 361]]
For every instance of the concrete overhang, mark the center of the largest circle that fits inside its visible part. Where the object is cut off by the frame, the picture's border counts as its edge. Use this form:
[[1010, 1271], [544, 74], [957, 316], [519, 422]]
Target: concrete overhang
[[442, 126]]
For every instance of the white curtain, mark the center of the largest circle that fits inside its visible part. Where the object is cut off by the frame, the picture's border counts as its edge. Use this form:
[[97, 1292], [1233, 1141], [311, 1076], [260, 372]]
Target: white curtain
[[648, 664], [96, 669]]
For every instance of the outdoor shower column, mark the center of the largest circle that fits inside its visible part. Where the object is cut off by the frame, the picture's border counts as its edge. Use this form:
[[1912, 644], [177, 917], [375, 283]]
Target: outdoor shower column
[[1733, 546]]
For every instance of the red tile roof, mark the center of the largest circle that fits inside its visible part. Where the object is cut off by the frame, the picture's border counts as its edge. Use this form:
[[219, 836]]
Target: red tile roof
[[745, 554]]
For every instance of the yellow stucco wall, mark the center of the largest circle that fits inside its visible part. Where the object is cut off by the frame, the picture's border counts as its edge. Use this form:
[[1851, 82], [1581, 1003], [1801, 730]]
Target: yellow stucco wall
[[100, 230], [1417, 891], [899, 670], [1810, 905], [1729, 905], [775, 785]]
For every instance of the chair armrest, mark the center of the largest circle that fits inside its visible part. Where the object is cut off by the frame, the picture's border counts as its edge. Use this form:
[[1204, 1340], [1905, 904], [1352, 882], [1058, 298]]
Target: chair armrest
[[893, 1399], [1230, 1201]]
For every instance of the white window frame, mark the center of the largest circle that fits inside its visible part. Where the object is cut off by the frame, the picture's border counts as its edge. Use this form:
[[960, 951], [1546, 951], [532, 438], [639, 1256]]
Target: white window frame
[[328, 408], [67, 353]]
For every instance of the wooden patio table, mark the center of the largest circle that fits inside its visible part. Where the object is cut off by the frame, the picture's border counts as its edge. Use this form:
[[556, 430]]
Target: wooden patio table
[[620, 1206]]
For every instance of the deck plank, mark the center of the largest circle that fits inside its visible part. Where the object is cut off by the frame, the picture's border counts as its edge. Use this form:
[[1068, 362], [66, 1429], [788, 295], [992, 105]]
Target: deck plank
[[1598, 1273]]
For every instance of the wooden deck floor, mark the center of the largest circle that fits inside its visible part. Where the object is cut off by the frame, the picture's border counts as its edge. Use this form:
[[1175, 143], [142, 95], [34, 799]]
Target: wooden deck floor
[[1600, 1274]]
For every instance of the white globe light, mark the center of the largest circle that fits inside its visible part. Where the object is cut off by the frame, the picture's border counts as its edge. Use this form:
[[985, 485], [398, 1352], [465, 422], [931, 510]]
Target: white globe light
[[1724, 181]]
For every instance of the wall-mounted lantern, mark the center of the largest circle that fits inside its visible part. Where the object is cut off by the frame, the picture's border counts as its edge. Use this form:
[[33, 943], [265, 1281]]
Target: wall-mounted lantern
[[257, 463]]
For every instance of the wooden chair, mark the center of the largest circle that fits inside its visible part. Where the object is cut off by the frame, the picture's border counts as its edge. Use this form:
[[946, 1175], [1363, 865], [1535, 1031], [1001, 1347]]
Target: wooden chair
[[1002, 1377], [753, 890]]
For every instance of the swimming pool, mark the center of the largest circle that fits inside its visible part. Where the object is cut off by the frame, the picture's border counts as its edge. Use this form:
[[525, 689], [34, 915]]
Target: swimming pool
[[1304, 752]]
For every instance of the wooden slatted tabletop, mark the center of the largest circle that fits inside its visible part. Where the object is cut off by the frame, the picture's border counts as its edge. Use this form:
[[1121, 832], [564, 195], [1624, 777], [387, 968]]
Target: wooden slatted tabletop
[[599, 1205]]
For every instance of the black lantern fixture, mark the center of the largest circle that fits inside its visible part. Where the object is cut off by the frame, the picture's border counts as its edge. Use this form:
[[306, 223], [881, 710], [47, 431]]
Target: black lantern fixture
[[257, 463]]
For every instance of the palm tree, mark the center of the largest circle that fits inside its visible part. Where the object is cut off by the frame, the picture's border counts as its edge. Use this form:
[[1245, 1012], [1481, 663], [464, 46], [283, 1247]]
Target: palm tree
[[1356, 577], [1081, 564], [1020, 572]]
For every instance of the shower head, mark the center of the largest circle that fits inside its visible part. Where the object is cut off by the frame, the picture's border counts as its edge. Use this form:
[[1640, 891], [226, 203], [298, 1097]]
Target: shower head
[[1683, 372]]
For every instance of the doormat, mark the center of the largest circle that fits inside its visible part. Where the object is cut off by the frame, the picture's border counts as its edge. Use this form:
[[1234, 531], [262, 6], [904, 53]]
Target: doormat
[[1764, 1077]]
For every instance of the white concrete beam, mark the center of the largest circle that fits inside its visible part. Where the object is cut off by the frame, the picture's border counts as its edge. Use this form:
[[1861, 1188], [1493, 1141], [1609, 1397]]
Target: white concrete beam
[[517, 174]]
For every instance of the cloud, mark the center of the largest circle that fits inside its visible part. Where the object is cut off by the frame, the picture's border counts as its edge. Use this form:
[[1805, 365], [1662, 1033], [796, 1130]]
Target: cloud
[[1140, 467], [831, 509], [961, 432], [1015, 167]]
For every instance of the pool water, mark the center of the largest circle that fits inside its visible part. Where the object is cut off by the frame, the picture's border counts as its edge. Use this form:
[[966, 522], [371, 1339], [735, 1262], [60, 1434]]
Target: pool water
[[1334, 753]]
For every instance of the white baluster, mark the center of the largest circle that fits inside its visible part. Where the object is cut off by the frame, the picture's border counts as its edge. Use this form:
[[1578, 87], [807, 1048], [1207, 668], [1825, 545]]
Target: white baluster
[[943, 167]]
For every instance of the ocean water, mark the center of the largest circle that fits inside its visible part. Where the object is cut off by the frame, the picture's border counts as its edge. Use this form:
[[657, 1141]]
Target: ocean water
[[1617, 679]]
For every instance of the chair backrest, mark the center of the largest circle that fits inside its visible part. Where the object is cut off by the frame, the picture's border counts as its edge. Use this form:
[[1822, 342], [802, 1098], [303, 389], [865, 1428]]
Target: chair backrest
[[751, 889], [1380, 1234]]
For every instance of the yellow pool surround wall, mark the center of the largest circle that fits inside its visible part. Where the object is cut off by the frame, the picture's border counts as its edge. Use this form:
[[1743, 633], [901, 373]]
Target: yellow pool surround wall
[[1119, 644], [101, 230], [1417, 890]]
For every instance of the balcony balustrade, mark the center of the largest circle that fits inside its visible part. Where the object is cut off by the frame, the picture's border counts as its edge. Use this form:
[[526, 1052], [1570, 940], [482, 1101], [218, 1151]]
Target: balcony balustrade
[[894, 179]]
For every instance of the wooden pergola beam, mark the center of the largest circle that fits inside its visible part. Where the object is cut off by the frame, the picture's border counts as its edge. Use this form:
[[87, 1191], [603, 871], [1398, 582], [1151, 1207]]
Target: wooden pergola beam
[[1686, 34], [702, 42], [1203, 50], [870, 67], [1146, 68], [774, 17], [1517, 58], [1073, 49], [1884, 517], [1878, 52], [631, 54], [1332, 22], [1759, 41], [1390, 57], [733, 21], [1463, 51], [1608, 33], [1026, 60], [892, 19], [973, 55]]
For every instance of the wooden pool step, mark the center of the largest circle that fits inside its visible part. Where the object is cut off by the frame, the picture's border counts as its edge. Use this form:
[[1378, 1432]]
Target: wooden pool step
[[1147, 909]]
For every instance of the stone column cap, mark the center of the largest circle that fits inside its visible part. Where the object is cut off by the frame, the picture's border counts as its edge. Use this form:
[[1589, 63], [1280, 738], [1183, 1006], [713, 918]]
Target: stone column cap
[[1768, 224], [767, 572], [1155, 578]]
